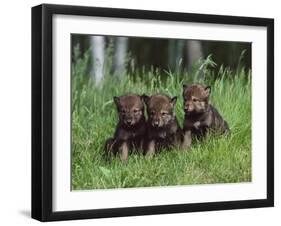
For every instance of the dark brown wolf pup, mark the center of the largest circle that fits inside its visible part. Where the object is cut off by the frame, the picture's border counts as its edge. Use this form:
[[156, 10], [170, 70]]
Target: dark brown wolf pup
[[130, 129], [200, 115], [163, 129]]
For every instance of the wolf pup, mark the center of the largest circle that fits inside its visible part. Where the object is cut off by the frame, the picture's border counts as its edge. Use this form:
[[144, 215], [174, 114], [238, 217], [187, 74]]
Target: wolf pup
[[200, 115], [130, 129], [163, 129]]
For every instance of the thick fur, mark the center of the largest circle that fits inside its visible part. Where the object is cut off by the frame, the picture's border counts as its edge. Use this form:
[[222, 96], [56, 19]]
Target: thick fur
[[200, 115], [163, 130], [130, 130]]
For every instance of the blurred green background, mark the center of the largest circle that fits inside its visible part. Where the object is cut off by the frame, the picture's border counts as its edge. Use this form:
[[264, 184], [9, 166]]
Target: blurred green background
[[128, 54]]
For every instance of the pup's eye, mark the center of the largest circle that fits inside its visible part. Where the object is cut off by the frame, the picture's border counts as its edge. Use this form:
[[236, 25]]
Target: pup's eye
[[195, 100], [136, 110], [164, 113], [152, 113], [123, 111]]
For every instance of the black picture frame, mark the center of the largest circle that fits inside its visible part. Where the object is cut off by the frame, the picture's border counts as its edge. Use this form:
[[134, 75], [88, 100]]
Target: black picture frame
[[42, 111]]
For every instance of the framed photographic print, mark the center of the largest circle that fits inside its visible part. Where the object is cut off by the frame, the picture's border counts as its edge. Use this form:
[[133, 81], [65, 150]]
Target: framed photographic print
[[147, 112]]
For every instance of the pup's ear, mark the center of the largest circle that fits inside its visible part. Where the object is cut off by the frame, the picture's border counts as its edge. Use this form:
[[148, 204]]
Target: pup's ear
[[174, 101], [208, 91], [116, 100], [145, 98]]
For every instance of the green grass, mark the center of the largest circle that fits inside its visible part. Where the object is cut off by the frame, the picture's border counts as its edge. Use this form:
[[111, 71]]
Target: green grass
[[213, 160]]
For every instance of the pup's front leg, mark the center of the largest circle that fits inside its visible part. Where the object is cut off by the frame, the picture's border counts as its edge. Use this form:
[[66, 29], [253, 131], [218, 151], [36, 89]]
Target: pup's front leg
[[186, 140], [109, 149], [124, 151], [150, 148], [142, 147]]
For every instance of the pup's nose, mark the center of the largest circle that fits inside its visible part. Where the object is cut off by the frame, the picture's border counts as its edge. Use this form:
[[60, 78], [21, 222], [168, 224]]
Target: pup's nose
[[156, 123], [129, 121], [186, 107]]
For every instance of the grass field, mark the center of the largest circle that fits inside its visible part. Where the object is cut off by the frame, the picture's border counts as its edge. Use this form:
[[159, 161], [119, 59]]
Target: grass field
[[214, 160]]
